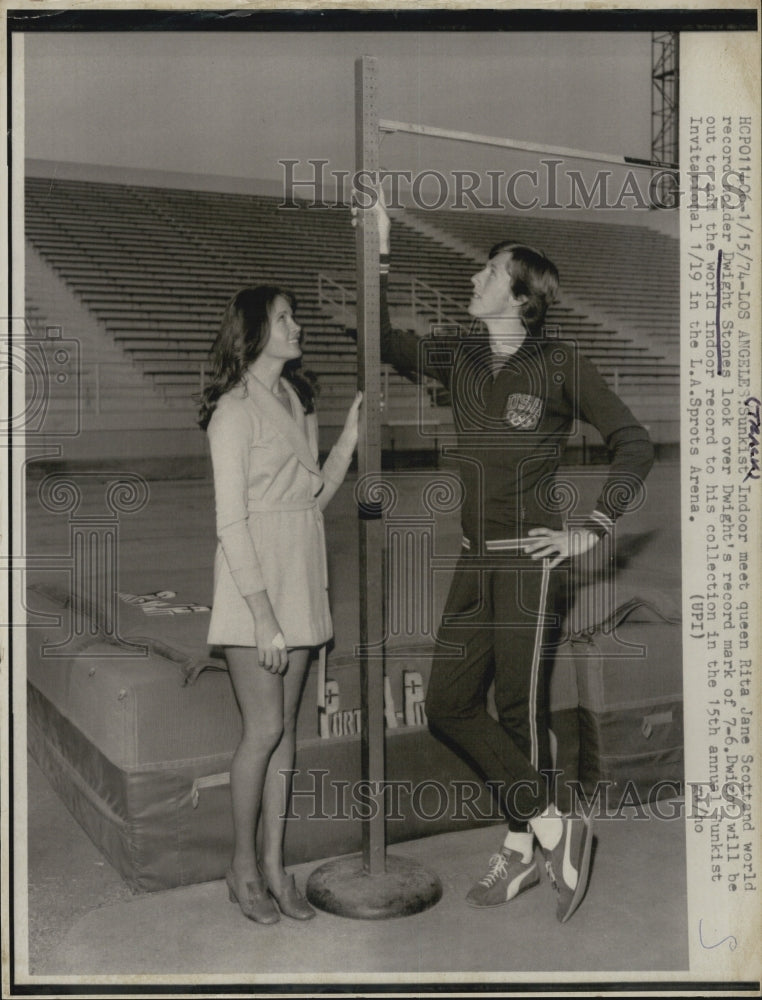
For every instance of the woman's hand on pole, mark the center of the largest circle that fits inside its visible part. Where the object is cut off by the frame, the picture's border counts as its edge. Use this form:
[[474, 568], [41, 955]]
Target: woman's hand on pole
[[351, 432], [375, 202], [272, 653]]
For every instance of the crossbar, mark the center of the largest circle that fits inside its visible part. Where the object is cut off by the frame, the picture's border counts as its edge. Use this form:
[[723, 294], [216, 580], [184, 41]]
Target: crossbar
[[385, 125]]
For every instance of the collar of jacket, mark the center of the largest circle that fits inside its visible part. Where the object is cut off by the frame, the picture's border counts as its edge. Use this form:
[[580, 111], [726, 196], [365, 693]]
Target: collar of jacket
[[292, 428]]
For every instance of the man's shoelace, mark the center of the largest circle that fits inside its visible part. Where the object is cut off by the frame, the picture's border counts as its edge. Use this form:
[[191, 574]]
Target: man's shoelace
[[551, 874], [498, 868]]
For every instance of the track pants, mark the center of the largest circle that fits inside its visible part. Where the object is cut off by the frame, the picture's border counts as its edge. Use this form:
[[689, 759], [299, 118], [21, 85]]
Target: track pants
[[498, 614]]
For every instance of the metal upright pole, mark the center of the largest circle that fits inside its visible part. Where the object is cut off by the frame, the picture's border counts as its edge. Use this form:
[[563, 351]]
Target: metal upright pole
[[371, 885], [369, 461]]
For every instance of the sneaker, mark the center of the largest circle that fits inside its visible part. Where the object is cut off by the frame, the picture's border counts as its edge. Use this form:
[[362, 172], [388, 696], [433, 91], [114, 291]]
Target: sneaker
[[507, 876], [568, 864]]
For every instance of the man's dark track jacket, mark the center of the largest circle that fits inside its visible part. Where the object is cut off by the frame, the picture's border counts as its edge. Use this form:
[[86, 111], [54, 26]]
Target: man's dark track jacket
[[513, 424]]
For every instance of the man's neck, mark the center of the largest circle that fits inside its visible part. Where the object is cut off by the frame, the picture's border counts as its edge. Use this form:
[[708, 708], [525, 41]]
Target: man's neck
[[506, 334]]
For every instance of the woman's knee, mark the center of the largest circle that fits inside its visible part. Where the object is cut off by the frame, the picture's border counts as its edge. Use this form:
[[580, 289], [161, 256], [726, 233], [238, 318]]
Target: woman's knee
[[289, 725], [262, 738]]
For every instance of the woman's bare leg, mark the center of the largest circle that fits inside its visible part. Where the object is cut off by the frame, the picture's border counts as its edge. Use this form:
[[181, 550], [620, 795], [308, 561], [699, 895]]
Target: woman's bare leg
[[277, 787], [260, 697]]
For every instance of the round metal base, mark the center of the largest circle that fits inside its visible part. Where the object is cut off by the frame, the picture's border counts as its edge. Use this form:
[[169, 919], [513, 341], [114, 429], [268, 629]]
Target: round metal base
[[344, 888]]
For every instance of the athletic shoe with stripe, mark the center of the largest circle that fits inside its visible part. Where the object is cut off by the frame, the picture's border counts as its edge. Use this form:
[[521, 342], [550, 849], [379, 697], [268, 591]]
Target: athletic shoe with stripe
[[568, 864], [507, 875]]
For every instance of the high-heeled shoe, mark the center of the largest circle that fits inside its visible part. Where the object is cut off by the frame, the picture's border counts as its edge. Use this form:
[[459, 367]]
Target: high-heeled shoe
[[258, 905], [291, 902]]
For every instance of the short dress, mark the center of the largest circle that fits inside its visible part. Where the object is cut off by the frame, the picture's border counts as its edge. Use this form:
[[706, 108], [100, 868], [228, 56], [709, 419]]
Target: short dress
[[269, 525]]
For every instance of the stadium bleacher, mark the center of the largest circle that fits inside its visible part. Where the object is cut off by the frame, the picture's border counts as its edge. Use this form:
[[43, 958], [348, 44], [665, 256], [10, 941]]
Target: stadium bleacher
[[155, 267]]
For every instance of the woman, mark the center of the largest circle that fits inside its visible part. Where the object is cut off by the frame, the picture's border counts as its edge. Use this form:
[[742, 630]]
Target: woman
[[270, 599]]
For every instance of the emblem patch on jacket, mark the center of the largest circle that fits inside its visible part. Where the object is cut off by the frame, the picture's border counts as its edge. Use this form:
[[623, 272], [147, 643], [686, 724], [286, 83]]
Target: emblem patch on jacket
[[523, 411]]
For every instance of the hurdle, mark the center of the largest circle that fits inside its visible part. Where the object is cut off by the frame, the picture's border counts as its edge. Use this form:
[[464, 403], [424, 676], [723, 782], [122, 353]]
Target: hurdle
[[377, 885]]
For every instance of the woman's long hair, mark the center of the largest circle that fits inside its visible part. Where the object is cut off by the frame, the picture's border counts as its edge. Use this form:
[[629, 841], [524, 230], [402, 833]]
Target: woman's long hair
[[243, 334]]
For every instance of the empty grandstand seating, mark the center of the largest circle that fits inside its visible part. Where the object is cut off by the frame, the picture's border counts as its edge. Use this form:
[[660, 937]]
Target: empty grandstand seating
[[630, 272], [155, 266]]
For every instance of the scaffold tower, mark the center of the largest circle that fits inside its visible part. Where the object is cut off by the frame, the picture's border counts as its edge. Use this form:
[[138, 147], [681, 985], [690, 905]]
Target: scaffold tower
[[665, 98]]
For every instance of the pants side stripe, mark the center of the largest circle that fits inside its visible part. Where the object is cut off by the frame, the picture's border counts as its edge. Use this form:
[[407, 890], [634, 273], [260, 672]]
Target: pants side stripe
[[536, 663]]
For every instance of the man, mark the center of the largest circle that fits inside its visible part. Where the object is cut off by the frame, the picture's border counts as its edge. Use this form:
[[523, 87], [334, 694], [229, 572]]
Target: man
[[514, 398]]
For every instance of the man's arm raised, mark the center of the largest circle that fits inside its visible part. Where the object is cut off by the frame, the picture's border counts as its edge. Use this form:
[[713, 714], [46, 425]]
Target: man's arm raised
[[403, 349]]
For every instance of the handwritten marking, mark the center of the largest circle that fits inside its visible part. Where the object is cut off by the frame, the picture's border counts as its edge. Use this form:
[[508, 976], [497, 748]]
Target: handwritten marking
[[731, 939], [717, 309], [753, 405]]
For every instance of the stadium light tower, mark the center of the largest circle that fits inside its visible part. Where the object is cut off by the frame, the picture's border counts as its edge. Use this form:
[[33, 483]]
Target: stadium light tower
[[665, 97]]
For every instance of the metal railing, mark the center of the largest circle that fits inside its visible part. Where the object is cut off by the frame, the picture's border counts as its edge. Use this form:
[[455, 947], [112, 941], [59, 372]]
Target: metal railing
[[328, 288], [425, 300]]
